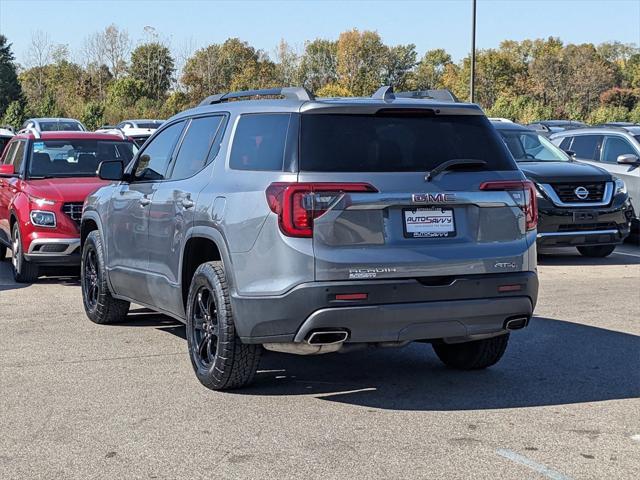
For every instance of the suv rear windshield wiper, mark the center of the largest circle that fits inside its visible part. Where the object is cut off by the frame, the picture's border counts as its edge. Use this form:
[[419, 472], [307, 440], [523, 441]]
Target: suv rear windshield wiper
[[454, 163]]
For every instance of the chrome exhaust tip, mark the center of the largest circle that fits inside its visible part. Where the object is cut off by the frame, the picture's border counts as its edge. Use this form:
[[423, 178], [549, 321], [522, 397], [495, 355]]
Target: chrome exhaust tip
[[328, 337], [516, 323]]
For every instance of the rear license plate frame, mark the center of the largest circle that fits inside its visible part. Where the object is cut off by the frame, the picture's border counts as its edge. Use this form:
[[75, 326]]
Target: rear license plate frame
[[434, 234]]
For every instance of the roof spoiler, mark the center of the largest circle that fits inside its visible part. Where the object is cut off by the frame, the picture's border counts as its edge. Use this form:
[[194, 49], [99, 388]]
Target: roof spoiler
[[289, 93]]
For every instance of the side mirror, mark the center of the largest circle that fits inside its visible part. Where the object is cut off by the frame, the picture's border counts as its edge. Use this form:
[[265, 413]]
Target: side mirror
[[571, 153], [111, 170], [7, 170], [628, 159]]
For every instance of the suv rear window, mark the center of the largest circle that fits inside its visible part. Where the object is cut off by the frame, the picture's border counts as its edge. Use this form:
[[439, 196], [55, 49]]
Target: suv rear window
[[259, 141], [403, 142]]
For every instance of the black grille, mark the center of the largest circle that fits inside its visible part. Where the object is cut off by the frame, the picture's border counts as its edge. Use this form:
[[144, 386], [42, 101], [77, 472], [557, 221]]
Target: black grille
[[74, 210], [587, 227], [567, 192]]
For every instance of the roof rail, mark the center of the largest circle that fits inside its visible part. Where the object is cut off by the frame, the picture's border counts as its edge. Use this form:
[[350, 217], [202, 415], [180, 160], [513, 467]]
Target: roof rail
[[34, 131], [290, 93], [384, 93], [442, 94]]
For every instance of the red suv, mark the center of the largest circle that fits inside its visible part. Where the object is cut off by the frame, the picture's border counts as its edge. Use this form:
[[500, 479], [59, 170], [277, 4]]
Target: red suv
[[44, 180]]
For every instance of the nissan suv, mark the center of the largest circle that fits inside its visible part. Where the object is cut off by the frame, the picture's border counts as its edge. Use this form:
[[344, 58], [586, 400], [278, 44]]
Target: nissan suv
[[579, 205], [44, 179], [272, 219], [615, 149]]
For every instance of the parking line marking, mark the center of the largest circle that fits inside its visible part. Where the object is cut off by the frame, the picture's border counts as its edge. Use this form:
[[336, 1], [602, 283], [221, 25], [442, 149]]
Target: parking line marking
[[635, 438], [627, 254], [538, 467]]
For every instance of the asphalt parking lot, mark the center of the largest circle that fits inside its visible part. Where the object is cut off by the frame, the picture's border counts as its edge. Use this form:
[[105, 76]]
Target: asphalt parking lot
[[85, 401]]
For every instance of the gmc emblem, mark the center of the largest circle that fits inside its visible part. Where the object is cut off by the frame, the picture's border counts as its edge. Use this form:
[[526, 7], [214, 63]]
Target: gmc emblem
[[433, 197]]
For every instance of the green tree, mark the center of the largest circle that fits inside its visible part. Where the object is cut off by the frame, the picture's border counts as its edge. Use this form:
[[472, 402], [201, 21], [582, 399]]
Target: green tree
[[431, 69], [15, 114], [125, 92], [333, 90], [10, 90], [398, 65], [608, 113], [318, 65], [152, 64], [175, 103], [230, 66], [93, 115], [361, 60], [287, 65]]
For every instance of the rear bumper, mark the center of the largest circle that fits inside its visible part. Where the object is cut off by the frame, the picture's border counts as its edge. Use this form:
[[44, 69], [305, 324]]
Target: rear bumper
[[396, 310]]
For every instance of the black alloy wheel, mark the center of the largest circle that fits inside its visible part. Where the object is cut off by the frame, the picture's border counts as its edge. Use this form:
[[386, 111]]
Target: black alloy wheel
[[205, 329]]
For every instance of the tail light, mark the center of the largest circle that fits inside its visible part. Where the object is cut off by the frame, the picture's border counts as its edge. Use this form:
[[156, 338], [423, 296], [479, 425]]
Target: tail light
[[529, 204], [298, 204]]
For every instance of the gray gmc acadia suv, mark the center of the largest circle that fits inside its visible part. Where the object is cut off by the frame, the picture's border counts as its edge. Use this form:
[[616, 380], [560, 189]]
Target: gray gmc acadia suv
[[271, 219]]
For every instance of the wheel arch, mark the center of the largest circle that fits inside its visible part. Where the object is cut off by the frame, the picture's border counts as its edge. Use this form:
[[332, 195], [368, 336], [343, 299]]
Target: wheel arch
[[203, 244], [90, 222]]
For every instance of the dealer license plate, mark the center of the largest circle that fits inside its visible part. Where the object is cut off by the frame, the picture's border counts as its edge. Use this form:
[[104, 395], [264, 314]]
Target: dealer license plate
[[429, 223]]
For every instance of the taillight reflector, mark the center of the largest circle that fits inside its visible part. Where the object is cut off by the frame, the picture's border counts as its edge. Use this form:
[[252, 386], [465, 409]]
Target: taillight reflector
[[297, 205], [510, 288], [352, 296]]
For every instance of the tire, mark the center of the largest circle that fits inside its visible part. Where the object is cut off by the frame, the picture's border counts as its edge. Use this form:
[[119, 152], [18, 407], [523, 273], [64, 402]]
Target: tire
[[3, 252], [472, 355], [219, 359], [100, 306], [599, 251], [23, 270]]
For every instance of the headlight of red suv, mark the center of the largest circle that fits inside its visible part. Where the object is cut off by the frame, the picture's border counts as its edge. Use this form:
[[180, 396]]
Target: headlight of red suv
[[43, 218]]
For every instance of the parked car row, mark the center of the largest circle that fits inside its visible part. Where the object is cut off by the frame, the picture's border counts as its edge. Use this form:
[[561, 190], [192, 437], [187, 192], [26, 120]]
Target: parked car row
[[273, 219], [579, 204]]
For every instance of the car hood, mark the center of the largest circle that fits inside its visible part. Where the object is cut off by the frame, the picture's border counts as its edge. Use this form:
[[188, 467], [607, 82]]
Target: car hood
[[560, 172], [64, 189]]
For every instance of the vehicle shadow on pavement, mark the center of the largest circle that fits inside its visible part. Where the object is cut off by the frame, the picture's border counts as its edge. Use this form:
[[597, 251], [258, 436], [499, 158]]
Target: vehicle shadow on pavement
[[552, 363], [6, 277], [145, 317], [67, 276], [570, 258]]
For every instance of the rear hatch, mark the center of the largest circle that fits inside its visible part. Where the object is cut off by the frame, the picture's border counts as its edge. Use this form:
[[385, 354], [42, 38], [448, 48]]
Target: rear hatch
[[383, 218]]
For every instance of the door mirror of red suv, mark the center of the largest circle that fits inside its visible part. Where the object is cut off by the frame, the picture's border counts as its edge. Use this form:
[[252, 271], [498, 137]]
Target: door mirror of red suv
[[7, 170], [111, 170]]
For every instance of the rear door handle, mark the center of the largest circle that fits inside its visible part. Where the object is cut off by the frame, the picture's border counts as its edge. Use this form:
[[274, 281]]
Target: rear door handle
[[144, 201], [187, 203]]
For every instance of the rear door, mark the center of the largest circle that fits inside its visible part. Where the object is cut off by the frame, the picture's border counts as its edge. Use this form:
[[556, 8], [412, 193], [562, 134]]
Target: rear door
[[173, 207], [411, 226]]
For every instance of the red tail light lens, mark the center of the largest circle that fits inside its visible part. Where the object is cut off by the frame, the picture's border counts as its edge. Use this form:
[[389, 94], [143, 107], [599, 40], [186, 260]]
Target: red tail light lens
[[298, 204], [530, 203]]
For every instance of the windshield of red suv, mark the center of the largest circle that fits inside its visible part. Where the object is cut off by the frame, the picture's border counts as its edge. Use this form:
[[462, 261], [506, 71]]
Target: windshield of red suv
[[75, 158]]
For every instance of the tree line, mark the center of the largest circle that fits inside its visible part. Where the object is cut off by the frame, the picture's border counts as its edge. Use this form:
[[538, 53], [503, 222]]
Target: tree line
[[109, 79]]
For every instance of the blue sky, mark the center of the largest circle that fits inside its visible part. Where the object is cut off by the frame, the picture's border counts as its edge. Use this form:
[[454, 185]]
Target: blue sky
[[428, 23]]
